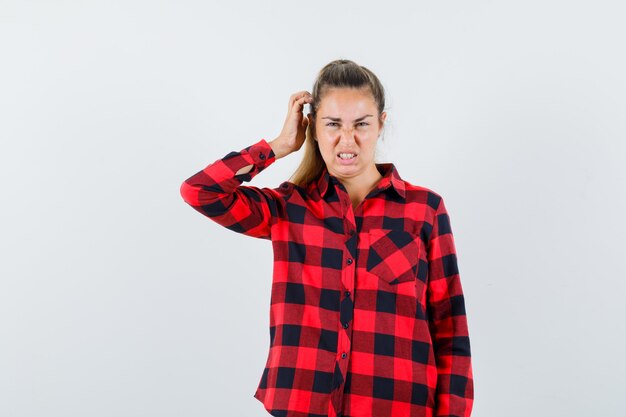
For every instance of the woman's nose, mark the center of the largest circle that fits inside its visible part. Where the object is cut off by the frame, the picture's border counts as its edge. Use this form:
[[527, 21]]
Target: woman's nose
[[347, 133]]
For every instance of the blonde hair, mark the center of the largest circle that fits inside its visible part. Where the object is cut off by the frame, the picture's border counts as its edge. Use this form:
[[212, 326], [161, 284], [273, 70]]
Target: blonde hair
[[340, 73]]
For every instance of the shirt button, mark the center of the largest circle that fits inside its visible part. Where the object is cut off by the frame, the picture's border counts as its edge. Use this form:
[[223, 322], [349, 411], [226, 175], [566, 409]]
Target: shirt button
[[344, 355], [347, 293], [345, 325], [262, 155], [349, 261], [351, 232]]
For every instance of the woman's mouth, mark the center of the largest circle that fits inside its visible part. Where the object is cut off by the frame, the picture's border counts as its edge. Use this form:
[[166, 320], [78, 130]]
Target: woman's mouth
[[346, 158]]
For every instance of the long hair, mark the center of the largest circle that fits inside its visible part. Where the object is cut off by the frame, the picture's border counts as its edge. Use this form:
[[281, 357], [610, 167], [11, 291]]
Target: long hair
[[336, 74]]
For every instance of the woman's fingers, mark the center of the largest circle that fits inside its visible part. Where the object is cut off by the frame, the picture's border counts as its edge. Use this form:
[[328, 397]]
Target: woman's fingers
[[299, 98], [299, 103]]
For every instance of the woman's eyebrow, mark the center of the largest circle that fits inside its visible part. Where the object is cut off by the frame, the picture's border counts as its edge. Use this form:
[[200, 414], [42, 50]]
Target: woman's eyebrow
[[338, 119]]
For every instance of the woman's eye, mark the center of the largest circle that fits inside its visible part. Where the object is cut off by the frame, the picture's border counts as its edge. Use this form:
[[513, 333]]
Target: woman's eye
[[335, 123]]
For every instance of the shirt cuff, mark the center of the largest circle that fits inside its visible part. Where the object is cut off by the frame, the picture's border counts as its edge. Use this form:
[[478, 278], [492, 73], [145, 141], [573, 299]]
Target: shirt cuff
[[260, 154]]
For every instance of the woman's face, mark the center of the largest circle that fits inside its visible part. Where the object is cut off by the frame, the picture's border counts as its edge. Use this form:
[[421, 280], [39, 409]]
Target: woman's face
[[347, 122]]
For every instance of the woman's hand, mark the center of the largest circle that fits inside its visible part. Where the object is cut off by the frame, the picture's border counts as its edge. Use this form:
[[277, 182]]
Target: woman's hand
[[293, 134]]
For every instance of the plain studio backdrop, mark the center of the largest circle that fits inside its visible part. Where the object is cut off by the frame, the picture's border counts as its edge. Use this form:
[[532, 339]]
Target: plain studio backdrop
[[119, 299]]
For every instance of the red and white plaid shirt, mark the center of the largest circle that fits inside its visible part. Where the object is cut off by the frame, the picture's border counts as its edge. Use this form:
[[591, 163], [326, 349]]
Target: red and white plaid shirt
[[367, 315]]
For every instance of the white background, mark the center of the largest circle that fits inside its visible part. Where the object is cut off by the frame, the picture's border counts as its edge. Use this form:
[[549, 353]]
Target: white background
[[118, 299]]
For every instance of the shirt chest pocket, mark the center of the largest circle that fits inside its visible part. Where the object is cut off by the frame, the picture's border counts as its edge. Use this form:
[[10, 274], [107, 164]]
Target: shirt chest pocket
[[394, 255]]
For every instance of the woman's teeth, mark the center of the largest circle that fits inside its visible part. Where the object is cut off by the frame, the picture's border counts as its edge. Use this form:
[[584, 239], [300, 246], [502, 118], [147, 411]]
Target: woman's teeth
[[346, 155]]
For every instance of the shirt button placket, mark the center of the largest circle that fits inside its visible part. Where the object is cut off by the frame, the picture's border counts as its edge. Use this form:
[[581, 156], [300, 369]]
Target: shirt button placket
[[346, 312]]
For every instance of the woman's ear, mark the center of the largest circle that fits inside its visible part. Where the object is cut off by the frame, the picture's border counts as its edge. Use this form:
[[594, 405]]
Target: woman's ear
[[383, 117]]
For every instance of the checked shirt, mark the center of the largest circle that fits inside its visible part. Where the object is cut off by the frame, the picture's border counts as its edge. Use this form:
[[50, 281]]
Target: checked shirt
[[367, 315]]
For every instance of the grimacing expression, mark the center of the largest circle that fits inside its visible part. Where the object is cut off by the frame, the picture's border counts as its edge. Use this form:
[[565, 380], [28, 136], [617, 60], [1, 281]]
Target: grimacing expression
[[347, 122]]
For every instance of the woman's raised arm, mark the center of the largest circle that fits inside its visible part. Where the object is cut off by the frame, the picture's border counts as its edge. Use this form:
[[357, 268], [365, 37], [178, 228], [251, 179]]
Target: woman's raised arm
[[217, 193]]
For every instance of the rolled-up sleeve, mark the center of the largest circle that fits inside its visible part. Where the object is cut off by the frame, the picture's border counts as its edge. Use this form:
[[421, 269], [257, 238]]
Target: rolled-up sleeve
[[448, 321]]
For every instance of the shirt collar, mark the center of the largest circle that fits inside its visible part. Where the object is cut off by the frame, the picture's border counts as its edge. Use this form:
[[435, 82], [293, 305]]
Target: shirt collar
[[391, 179]]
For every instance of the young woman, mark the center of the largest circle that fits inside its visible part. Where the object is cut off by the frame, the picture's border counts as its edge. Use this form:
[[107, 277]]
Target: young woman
[[367, 314]]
